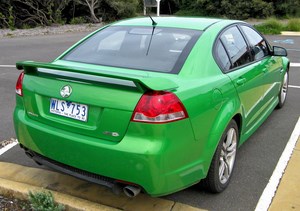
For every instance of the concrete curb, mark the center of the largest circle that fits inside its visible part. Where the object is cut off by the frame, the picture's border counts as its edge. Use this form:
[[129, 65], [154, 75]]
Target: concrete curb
[[76, 194], [20, 191], [290, 33], [288, 194]]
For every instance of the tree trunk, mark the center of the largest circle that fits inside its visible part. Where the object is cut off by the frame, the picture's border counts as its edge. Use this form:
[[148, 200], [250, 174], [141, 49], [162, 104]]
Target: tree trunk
[[93, 4]]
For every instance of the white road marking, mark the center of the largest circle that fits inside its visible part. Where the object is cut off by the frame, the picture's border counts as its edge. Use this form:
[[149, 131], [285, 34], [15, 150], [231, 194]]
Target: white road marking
[[292, 86], [269, 191], [8, 147], [9, 66], [295, 64]]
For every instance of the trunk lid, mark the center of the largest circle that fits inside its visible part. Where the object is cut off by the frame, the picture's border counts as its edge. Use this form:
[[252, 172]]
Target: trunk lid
[[106, 98]]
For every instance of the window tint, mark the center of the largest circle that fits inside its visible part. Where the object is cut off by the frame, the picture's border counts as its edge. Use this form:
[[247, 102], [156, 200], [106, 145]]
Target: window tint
[[222, 56], [141, 48], [236, 47], [259, 47]]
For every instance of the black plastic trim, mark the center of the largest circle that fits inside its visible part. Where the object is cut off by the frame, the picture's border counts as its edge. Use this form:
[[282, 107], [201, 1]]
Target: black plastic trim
[[85, 175]]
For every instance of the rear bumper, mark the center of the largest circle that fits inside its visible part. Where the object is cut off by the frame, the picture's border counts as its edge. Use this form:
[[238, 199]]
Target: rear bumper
[[160, 158]]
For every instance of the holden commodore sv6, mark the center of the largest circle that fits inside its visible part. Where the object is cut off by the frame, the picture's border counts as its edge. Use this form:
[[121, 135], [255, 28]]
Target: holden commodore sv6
[[151, 105]]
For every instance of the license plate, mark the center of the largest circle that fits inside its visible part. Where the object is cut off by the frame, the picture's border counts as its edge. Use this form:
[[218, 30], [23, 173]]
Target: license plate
[[69, 109]]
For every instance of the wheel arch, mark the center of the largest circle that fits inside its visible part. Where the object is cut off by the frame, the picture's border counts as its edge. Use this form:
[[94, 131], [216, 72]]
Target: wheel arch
[[231, 110], [286, 63], [239, 121]]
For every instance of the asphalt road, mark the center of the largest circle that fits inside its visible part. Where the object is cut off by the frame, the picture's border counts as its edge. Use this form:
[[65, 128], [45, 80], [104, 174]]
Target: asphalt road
[[256, 159]]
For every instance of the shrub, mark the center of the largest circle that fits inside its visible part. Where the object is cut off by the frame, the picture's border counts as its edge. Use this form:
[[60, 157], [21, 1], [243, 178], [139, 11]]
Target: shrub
[[271, 26], [189, 13], [293, 25], [78, 20], [26, 26], [228, 8], [43, 201]]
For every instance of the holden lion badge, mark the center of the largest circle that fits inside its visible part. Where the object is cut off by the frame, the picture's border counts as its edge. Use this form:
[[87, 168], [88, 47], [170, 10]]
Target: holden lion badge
[[66, 91]]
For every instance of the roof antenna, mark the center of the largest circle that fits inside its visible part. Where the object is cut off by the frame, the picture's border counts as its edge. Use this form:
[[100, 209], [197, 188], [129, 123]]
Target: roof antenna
[[153, 28], [153, 22]]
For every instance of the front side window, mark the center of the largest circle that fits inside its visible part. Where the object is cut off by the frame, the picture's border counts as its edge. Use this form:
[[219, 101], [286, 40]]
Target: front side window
[[142, 48], [236, 47], [259, 47]]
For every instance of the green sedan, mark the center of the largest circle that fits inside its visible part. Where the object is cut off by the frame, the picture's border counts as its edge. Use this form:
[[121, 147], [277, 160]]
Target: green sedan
[[153, 105]]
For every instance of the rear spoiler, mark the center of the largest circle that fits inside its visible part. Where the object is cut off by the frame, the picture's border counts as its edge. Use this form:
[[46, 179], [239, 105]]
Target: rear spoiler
[[153, 83]]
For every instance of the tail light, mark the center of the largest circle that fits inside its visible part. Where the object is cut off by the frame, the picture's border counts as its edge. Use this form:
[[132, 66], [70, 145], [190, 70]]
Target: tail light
[[159, 107], [19, 85]]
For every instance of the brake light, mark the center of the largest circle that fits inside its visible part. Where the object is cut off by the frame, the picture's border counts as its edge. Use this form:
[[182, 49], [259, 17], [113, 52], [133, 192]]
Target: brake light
[[19, 85], [159, 107]]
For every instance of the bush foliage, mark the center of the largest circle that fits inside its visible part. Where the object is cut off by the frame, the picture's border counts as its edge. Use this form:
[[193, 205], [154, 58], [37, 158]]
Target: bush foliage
[[17, 13], [31, 13], [43, 201], [293, 25], [271, 26], [275, 26], [229, 8]]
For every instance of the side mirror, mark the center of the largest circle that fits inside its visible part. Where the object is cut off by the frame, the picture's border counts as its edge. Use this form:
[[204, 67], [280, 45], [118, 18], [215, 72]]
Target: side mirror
[[279, 51]]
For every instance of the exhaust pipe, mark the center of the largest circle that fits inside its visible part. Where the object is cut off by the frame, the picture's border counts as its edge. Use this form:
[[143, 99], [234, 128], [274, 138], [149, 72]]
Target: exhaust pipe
[[131, 191]]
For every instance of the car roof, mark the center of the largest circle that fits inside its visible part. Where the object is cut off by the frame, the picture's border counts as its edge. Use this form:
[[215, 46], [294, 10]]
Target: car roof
[[174, 22]]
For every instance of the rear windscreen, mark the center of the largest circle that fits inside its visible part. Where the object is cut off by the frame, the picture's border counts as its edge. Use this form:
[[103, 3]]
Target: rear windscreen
[[142, 48]]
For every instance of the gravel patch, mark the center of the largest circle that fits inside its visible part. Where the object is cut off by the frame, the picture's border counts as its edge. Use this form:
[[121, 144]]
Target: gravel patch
[[49, 30], [6, 142], [13, 204]]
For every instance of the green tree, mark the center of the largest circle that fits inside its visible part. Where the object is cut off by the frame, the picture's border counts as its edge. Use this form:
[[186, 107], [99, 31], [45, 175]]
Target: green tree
[[7, 17], [285, 8], [42, 12], [122, 8], [92, 5], [229, 8]]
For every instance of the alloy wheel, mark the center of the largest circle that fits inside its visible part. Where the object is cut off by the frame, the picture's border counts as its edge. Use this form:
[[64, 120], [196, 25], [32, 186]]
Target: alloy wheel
[[283, 91], [227, 155]]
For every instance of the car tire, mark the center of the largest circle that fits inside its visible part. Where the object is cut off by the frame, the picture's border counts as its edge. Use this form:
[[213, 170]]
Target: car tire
[[283, 90], [222, 164]]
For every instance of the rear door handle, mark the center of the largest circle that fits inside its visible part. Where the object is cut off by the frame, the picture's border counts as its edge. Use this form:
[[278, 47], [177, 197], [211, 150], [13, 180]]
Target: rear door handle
[[265, 70], [241, 81]]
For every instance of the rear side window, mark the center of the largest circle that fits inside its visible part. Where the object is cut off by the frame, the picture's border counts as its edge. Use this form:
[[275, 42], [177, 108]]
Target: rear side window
[[236, 47], [259, 47], [222, 57], [142, 48]]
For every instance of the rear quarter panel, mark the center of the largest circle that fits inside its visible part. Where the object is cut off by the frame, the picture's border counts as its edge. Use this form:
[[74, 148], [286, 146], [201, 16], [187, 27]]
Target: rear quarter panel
[[208, 95]]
